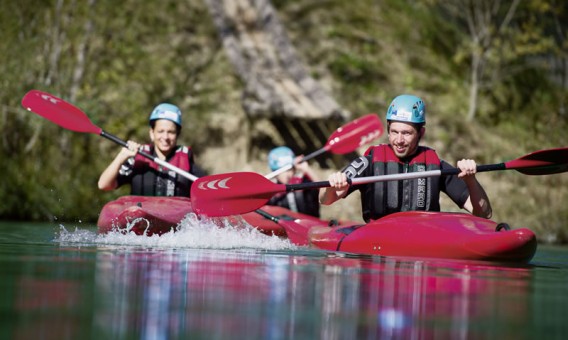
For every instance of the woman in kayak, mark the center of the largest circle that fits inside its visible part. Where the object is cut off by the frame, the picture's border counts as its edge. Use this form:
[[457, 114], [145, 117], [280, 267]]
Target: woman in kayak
[[145, 176], [305, 201], [405, 126]]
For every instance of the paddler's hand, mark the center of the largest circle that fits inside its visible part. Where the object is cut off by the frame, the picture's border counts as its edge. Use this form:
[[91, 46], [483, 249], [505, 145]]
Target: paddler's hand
[[468, 169], [477, 203], [304, 168], [131, 150], [337, 189], [338, 181], [107, 181], [301, 166]]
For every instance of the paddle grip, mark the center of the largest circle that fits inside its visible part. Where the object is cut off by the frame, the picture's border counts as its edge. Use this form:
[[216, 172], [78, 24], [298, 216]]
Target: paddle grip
[[309, 185], [491, 167], [313, 154], [114, 139], [480, 168], [124, 144]]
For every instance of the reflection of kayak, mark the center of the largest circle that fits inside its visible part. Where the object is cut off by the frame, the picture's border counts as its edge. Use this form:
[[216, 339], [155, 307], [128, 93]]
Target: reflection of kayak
[[147, 215], [427, 234]]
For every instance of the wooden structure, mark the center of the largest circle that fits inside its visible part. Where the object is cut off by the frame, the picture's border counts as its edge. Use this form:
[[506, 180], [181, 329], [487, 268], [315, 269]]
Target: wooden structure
[[278, 87]]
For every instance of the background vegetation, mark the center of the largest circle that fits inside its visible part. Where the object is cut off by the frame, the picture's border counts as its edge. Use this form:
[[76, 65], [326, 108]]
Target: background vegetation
[[493, 74]]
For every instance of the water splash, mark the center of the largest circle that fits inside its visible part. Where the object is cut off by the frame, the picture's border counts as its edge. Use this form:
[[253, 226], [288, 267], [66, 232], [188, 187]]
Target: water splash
[[192, 232]]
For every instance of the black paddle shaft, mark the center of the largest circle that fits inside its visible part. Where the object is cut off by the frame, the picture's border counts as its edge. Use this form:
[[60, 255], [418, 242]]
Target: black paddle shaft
[[124, 144], [480, 168]]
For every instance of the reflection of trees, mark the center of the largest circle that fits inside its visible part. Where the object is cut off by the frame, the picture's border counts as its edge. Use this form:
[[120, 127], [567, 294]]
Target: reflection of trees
[[44, 293]]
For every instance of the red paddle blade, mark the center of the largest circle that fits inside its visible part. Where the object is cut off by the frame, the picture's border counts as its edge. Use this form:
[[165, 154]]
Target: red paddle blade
[[542, 162], [232, 193], [59, 111], [359, 132]]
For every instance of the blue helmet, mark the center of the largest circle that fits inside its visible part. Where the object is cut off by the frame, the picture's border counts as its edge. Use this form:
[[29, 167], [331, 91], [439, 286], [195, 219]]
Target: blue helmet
[[280, 157], [167, 111], [407, 108]]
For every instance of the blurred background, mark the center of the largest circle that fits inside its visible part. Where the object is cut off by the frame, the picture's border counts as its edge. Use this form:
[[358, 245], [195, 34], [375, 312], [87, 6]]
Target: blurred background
[[251, 75]]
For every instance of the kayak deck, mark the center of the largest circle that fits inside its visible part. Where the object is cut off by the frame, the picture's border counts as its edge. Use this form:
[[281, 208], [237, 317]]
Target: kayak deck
[[431, 234]]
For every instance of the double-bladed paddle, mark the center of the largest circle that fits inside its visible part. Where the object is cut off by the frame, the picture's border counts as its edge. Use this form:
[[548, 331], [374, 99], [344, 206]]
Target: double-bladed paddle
[[241, 192], [345, 139], [72, 118]]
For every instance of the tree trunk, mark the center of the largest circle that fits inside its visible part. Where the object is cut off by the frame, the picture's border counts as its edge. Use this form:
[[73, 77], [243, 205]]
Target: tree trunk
[[474, 85]]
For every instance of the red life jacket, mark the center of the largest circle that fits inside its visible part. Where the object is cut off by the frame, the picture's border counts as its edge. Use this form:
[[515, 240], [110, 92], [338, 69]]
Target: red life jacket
[[151, 179], [383, 198]]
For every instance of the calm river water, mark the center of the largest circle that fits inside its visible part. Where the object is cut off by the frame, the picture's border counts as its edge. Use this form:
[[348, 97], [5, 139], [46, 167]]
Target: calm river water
[[67, 282]]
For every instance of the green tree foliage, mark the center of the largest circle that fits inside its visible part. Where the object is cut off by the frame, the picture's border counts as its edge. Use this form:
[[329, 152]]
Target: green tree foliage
[[115, 62], [501, 37]]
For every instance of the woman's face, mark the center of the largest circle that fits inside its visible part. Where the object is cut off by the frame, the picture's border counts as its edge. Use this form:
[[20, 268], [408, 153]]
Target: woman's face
[[164, 136]]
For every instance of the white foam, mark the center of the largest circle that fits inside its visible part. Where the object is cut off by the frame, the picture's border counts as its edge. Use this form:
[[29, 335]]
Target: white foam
[[192, 232]]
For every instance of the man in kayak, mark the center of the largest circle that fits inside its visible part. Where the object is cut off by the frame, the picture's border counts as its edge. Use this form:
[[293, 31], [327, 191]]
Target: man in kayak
[[405, 126], [145, 176], [304, 201]]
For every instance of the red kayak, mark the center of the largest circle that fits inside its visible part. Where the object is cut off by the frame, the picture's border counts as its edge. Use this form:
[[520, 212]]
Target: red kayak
[[145, 215], [424, 234], [405, 234]]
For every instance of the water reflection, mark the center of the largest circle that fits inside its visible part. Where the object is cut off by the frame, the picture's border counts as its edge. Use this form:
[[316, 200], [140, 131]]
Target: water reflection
[[224, 294], [43, 294], [168, 293], [84, 287]]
